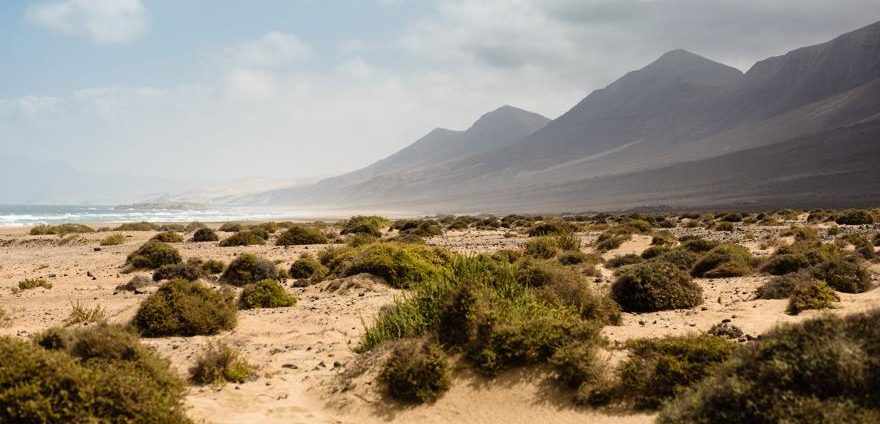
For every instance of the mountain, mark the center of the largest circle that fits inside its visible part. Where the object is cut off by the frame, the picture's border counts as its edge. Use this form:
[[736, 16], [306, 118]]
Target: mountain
[[680, 113]]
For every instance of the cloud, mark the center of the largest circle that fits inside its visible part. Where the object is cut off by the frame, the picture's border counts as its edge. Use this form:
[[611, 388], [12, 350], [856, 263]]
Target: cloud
[[273, 50], [104, 21]]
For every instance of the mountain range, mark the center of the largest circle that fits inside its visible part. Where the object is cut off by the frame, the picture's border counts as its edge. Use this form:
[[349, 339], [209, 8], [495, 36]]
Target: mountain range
[[800, 129]]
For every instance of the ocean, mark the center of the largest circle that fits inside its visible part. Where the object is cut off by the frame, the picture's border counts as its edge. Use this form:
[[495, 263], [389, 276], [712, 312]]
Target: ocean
[[28, 215]]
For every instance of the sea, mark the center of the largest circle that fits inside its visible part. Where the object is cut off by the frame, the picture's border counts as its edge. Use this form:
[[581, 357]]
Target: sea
[[29, 215]]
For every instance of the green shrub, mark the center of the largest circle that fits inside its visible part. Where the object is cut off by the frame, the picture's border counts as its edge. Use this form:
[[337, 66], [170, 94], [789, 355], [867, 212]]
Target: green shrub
[[247, 269], [822, 370], [230, 227], [172, 227], [785, 263], [220, 364], [205, 234], [265, 294], [682, 258], [409, 238], [208, 267], [31, 283], [659, 369], [183, 308], [416, 371], [421, 228], [655, 286], [401, 265], [698, 245], [655, 251], [568, 241], [724, 260], [612, 239], [812, 295], [544, 247], [857, 217], [307, 267], [619, 261], [538, 273], [365, 224], [137, 226], [184, 271], [152, 255], [574, 257], [569, 289], [848, 276], [101, 374], [83, 315], [113, 240], [577, 364], [782, 287], [725, 226], [168, 237], [552, 228], [461, 312], [244, 238], [299, 235], [63, 229]]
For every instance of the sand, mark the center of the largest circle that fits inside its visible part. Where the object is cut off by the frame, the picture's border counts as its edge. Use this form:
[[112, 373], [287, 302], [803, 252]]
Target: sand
[[308, 372]]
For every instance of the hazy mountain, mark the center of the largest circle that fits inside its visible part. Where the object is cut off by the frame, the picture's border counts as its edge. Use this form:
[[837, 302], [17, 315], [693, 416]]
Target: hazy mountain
[[680, 108]]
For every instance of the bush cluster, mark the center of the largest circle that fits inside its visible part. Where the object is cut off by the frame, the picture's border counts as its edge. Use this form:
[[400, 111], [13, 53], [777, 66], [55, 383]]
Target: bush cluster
[[184, 308], [401, 265], [183, 271], [856, 217], [245, 238], [299, 235], [416, 371], [306, 267], [204, 235], [724, 260], [113, 240], [31, 283], [655, 286], [100, 374], [811, 295], [152, 255], [265, 294], [820, 371], [168, 237], [247, 269], [137, 226], [63, 229]]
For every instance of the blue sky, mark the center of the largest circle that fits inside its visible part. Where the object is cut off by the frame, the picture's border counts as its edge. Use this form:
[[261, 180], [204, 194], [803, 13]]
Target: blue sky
[[286, 89]]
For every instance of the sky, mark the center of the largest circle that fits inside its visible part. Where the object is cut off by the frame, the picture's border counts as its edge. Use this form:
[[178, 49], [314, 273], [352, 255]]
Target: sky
[[286, 89]]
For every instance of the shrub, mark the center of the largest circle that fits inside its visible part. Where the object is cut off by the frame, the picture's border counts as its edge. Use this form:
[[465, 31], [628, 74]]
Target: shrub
[[660, 369], [187, 271], [785, 263], [248, 269], [732, 217], [619, 261], [877, 239], [857, 217], [168, 237], [172, 227], [655, 286], [682, 258], [848, 276], [577, 364], [230, 227], [137, 226], [244, 238], [81, 315], [152, 255], [307, 267], [544, 247], [265, 294], [208, 267], [31, 283], [812, 295], [102, 375], [725, 226], [401, 265], [569, 289], [365, 225], [574, 257], [538, 273], [655, 251], [113, 240], [205, 234], [698, 245], [459, 316], [299, 235], [782, 287], [725, 260], [612, 239], [183, 308], [63, 229], [416, 371], [552, 228], [194, 226], [409, 238], [364, 228], [821, 370], [220, 364]]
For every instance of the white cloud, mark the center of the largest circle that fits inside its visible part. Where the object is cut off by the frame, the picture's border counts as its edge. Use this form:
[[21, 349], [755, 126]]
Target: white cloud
[[273, 50], [104, 21]]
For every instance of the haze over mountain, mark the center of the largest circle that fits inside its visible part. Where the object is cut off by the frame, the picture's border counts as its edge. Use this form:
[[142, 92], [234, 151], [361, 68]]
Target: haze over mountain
[[644, 133]]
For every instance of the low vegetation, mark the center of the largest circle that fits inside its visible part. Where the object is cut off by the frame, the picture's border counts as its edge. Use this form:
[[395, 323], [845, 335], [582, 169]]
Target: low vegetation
[[655, 286], [300, 235], [205, 235], [97, 374], [63, 229], [220, 364], [247, 269], [137, 226], [168, 237], [811, 295], [307, 267], [416, 371], [265, 294], [113, 240], [83, 315], [824, 369], [184, 308], [724, 260], [153, 255], [401, 265], [183, 271], [244, 238], [30, 284]]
